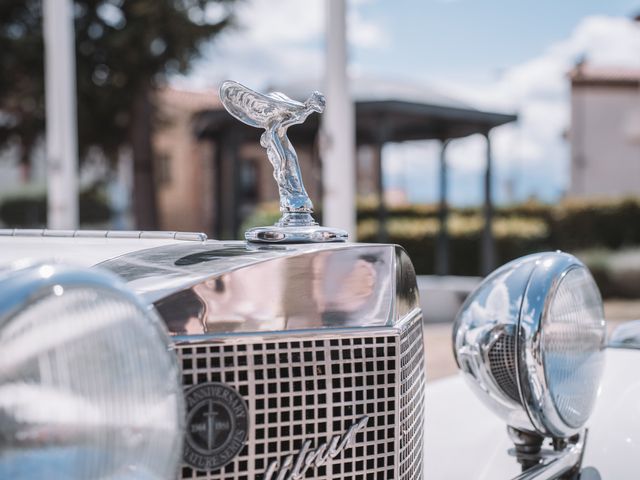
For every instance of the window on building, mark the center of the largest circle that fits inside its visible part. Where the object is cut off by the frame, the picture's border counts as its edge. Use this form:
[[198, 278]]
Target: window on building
[[163, 168], [249, 181]]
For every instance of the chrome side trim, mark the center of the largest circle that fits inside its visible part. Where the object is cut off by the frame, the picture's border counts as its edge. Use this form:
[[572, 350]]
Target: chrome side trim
[[555, 464], [141, 234], [283, 335], [240, 338]]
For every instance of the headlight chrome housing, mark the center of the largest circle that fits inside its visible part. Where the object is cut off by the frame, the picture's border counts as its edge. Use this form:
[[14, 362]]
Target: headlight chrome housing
[[530, 340], [88, 386]]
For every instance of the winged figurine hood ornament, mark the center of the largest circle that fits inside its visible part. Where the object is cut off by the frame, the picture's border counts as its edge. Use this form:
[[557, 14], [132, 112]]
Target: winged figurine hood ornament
[[275, 113]]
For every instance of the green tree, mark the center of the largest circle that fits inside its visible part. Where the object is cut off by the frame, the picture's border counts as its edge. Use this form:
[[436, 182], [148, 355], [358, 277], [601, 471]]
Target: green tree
[[124, 49]]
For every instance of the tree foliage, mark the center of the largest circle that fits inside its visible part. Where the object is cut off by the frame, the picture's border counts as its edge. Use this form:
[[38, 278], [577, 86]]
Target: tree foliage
[[122, 47], [21, 74], [123, 50]]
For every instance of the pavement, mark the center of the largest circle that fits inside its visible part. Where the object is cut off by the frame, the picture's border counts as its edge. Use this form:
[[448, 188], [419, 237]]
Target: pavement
[[439, 352]]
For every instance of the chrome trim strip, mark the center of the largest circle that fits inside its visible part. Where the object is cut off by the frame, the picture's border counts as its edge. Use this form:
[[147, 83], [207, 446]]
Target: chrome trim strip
[[240, 338], [557, 463], [141, 234], [534, 387]]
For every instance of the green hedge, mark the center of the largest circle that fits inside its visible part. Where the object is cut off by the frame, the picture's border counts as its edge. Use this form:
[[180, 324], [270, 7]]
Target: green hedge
[[521, 229], [514, 236], [580, 225], [616, 272], [31, 211]]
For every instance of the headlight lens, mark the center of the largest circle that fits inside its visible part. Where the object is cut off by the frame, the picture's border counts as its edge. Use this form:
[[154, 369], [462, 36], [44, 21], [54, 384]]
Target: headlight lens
[[572, 337], [88, 387], [530, 340]]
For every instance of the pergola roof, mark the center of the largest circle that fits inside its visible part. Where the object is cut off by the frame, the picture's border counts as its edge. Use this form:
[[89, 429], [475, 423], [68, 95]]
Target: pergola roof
[[398, 121], [385, 112]]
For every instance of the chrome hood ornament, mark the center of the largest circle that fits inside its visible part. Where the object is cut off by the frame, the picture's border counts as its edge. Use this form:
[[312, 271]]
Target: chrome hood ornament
[[275, 112]]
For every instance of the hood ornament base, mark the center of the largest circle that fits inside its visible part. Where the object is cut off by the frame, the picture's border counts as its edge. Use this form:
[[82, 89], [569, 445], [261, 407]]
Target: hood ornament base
[[291, 233], [295, 227], [275, 112]]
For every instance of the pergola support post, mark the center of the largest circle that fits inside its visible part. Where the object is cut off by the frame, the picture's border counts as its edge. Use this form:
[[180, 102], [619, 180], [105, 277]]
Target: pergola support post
[[228, 195], [338, 124], [488, 260], [383, 216], [442, 247]]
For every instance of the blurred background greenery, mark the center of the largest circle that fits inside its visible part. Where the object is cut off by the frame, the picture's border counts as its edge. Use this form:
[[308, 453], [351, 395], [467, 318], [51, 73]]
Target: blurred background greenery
[[605, 234]]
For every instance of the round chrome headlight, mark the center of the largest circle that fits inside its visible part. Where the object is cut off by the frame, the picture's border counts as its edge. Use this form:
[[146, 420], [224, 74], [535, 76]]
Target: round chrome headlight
[[88, 386], [530, 339]]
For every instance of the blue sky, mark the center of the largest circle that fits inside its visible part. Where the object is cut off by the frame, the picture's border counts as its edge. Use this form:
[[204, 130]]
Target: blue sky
[[474, 39], [497, 55]]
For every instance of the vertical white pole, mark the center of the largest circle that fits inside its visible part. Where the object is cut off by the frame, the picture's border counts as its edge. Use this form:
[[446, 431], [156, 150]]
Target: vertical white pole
[[338, 125], [62, 133]]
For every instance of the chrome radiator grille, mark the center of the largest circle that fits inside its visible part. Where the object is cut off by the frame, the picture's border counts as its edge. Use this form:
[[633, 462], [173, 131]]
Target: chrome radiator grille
[[411, 402], [313, 387]]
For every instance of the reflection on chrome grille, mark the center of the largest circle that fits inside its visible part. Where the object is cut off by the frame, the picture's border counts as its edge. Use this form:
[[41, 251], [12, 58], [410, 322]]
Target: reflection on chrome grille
[[502, 363], [313, 387], [411, 402]]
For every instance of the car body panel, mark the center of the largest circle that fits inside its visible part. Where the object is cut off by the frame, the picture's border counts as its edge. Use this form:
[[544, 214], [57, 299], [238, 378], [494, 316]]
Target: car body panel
[[156, 273], [613, 443], [464, 439], [234, 287]]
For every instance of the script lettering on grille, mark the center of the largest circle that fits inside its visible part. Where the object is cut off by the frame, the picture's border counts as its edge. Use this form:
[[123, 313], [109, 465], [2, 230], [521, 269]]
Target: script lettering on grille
[[294, 468]]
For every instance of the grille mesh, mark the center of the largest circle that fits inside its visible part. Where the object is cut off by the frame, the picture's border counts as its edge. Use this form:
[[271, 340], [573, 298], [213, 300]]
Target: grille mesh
[[411, 402], [299, 390], [502, 363]]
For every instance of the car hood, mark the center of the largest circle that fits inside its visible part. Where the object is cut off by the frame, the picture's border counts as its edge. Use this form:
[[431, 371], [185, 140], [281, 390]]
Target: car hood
[[234, 287], [79, 251]]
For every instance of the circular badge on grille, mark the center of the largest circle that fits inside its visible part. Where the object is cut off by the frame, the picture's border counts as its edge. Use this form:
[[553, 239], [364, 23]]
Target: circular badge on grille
[[217, 426]]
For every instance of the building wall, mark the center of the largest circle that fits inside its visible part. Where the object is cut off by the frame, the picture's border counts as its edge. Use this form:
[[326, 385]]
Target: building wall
[[183, 171], [267, 189], [605, 140], [367, 158]]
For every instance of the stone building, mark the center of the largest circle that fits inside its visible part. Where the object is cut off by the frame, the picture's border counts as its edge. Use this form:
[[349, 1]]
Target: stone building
[[605, 132]]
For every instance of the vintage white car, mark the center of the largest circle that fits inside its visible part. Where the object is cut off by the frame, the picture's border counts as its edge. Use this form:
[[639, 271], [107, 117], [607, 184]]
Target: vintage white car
[[294, 354]]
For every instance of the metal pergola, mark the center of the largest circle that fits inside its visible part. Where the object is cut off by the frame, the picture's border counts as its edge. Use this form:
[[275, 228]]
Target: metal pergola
[[378, 121]]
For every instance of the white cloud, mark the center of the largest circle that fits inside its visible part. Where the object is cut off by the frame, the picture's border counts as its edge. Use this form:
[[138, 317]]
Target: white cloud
[[276, 42], [364, 33], [538, 90]]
